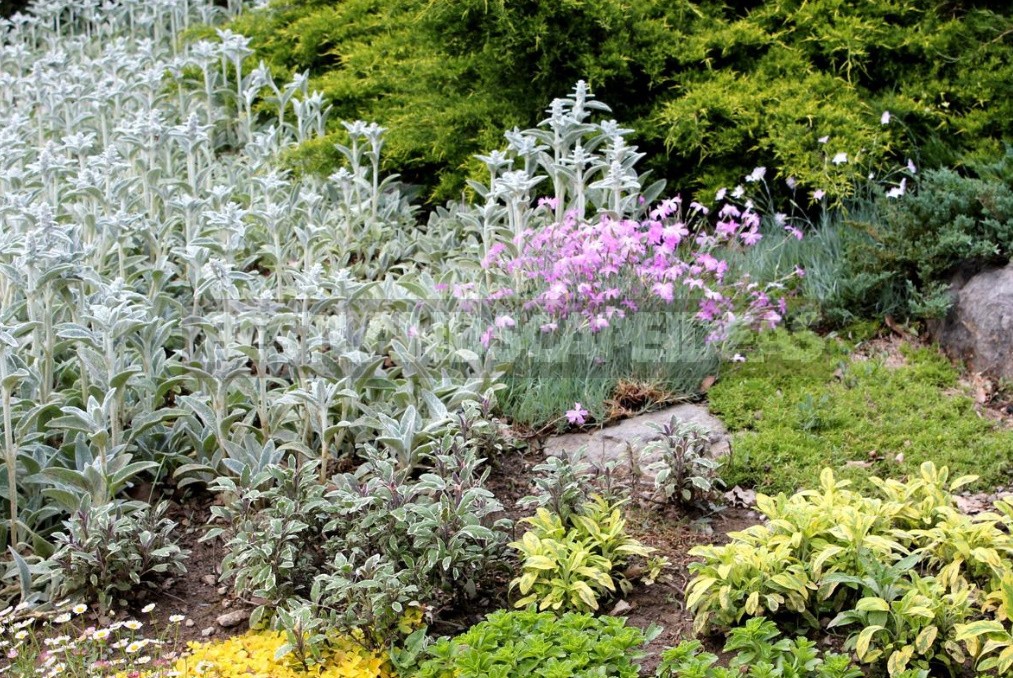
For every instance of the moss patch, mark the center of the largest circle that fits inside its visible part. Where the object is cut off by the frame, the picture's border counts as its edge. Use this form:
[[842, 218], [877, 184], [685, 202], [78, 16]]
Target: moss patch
[[803, 402]]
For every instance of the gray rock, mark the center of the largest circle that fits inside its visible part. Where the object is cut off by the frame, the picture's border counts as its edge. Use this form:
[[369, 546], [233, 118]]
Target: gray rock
[[615, 444], [979, 326], [235, 618]]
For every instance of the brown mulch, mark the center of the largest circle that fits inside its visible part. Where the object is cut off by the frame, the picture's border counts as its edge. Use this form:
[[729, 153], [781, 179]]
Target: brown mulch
[[194, 595]]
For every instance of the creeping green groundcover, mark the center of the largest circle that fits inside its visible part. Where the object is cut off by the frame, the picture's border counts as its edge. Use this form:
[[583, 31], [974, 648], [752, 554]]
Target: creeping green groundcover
[[802, 402]]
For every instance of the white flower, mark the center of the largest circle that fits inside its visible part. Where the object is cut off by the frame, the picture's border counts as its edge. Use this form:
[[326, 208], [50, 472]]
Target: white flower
[[824, 140], [738, 192], [133, 625], [148, 608], [911, 166], [63, 618], [756, 175], [176, 618], [885, 119], [840, 159], [80, 608], [897, 191]]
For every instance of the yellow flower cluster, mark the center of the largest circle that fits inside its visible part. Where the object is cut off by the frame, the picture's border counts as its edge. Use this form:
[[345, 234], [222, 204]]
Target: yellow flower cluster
[[252, 655]]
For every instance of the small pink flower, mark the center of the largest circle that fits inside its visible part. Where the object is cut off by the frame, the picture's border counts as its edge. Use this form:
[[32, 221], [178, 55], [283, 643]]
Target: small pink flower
[[794, 232], [504, 321], [492, 256], [818, 194], [577, 416], [665, 291], [738, 358], [487, 336], [598, 323], [751, 237]]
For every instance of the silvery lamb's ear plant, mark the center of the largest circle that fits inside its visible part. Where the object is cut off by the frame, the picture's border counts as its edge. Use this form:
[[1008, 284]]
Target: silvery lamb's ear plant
[[8, 380]]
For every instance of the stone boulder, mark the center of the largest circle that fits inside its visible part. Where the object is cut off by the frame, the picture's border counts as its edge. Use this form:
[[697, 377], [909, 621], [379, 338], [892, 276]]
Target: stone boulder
[[979, 326], [613, 444]]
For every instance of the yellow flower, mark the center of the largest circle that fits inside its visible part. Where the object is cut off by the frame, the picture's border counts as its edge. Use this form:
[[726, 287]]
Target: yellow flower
[[252, 655]]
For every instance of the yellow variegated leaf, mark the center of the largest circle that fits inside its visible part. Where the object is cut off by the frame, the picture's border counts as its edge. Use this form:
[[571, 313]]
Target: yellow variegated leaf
[[585, 594], [526, 581], [598, 576], [864, 639], [531, 543], [872, 604], [540, 563], [919, 611], [526, 600], [955, 651], [978, 628], [925, 639], [697, 589], [700, 622], [1005, 661], [988, 556], [753, 603], [961, 481], [823, 556], [899, 659]]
